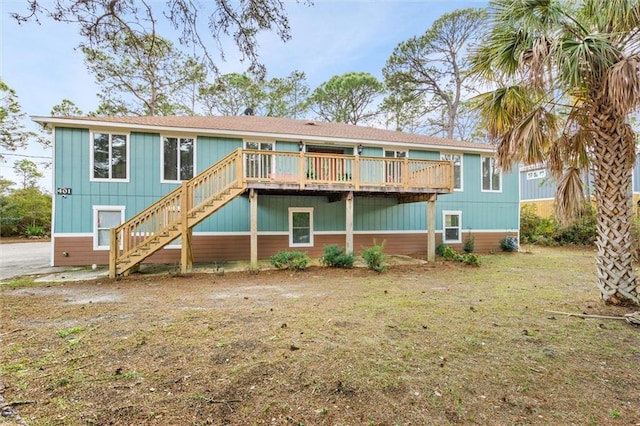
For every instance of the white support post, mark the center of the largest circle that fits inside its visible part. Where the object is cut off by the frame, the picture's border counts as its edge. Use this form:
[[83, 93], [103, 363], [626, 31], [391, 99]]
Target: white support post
[[431, 228], [253, 201], [349, 222]]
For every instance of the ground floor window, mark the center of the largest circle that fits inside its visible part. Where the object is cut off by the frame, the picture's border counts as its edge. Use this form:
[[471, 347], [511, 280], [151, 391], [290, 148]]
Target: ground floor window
[[105, 218], [452, 226], [300, 227]]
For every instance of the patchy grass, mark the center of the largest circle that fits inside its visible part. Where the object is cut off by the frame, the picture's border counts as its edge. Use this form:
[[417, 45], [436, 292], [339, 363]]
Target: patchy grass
[[422, 344]]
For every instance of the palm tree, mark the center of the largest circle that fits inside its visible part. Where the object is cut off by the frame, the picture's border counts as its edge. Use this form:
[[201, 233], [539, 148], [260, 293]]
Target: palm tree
[[567, 78]]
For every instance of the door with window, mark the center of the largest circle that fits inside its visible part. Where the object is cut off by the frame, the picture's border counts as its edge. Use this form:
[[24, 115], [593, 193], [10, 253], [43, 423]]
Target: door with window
[[394, 161], [259, 165]]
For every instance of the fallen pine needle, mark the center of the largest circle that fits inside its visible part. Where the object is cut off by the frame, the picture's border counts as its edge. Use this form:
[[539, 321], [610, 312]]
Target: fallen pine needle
[[585, 315]]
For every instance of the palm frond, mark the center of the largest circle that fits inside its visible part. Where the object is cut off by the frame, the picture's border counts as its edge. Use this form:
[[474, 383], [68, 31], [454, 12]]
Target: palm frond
[[623, 85], [570, 200]]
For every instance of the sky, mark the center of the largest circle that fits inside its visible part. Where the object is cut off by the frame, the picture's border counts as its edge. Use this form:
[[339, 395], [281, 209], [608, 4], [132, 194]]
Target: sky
[[331, 37]]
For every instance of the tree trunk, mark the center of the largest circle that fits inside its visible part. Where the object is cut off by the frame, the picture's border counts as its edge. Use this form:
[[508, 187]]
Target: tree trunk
[[614, 157]]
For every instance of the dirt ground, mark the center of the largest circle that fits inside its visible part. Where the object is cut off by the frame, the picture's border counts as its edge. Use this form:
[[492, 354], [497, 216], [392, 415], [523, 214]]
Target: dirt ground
[[422, 344]]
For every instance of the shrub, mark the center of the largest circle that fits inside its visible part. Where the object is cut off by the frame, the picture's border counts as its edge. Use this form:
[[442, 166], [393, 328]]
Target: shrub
[[293, 260], [529, 223], [509, 244], [469, 245], [467, 258], [335, 257], [34, 231], [582, 231], [440, 248], [374, 257]]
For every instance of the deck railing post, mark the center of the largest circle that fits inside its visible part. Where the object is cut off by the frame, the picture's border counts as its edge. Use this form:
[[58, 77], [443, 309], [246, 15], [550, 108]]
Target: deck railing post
[[356, 172], [301, 170], [186, 255], [113, 252]]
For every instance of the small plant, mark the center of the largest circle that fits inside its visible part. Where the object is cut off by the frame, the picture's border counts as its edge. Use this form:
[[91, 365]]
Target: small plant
[[467, 258], [374, 257], [335, 257], [509, 244], [292, 260], [614, 414], [69, 331], [34, 231], [469, 245], [440, 248]]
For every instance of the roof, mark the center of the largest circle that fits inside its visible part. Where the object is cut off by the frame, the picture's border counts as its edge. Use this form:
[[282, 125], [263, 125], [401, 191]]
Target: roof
[[276, 127]]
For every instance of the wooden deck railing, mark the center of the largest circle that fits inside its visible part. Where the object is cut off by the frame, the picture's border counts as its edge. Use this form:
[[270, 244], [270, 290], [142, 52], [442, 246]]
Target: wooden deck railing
[[347, 171]]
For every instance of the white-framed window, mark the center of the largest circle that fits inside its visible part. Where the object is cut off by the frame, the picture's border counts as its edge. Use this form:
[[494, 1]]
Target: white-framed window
[[259, 165], [393, 169], [109, 157], [177, 157], [300, 226], [456, 159], [491, 175], [105, 218], [536, 174], [451, 226]]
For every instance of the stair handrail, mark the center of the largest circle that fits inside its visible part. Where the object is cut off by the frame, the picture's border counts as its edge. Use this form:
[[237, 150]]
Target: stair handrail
[[165, 213]]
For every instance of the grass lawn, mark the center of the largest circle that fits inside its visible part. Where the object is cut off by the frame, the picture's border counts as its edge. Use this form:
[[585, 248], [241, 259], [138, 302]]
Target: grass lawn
[[422, 344]]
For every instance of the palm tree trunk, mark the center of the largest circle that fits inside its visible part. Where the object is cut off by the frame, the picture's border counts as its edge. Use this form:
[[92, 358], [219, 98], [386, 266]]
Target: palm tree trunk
[[614, 157]]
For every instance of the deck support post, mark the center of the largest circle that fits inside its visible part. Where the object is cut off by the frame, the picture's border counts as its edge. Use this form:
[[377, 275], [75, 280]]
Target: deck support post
[[253, 207], [186, 253], [349, 222], [431, 228]]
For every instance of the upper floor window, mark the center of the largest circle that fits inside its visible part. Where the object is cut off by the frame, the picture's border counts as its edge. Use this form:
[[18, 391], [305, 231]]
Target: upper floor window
[[536, 174], [491, 175], [109, 158], [177, 158], [456, 159]]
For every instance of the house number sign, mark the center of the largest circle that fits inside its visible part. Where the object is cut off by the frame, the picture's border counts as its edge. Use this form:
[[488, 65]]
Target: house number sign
[[63, 191]]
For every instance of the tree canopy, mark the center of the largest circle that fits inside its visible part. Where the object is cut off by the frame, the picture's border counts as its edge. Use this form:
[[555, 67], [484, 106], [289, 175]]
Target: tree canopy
[[347, 98]]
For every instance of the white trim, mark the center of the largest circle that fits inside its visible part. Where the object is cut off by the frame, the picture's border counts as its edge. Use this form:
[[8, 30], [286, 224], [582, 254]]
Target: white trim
[[91, 156], [461, 155], [446, 213], [53, 195], [293, 210], [178, 137], [96, 209], [537, 199], [72, 234], [285, 137]]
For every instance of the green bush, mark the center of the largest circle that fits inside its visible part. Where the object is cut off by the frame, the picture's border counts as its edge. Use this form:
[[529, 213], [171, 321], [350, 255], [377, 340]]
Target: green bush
[[293, 260], [374, 257], [582, 231], [467, 258], [529, 223], [509, 244], [440, 248], [469, 245], [335, 257], [34, 231]]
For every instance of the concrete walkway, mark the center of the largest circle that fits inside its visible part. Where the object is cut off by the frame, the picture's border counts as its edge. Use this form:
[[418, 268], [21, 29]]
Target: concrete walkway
[[34, 258]]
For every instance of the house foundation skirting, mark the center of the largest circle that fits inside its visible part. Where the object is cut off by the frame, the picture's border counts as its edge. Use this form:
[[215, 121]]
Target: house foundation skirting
[[207, 248]]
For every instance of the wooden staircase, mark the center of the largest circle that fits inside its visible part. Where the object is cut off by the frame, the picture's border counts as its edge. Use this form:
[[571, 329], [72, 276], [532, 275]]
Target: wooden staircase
[[175, 215]]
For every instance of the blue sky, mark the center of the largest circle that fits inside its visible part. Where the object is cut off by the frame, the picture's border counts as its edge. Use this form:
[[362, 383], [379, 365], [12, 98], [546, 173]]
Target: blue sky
[[330, 38]]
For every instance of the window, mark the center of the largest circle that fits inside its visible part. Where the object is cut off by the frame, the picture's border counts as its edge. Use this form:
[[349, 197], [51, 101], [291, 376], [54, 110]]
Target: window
[[452, 226], [259, 165], [536, 174], [109, 157], [300, 227], [456, 159], [394, 167], [105, 218], [491, 176], [177, 159]]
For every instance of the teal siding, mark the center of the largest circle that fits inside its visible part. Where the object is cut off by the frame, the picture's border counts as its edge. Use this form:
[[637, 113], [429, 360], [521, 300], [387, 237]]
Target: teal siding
[[74, 214], [209, 150]]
